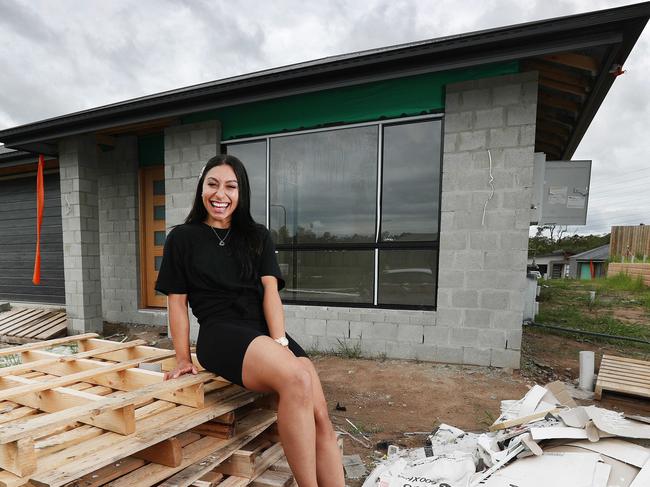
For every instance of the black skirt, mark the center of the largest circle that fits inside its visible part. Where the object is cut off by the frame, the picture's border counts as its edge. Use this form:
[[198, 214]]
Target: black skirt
[[221, 346]]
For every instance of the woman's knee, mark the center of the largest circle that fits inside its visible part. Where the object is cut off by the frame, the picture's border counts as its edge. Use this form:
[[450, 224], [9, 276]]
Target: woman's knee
[[297, 384]]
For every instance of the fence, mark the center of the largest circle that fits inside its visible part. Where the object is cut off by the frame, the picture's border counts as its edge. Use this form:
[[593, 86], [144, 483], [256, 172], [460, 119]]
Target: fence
[[632, 270], [628, 241]]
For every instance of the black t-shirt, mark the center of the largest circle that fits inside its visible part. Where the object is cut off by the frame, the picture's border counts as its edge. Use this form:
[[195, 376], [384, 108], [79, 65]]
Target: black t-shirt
[[194, 264]]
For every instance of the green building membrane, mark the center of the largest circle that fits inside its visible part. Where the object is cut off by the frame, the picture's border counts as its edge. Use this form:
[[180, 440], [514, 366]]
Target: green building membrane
[[413, 95], [394, 98]]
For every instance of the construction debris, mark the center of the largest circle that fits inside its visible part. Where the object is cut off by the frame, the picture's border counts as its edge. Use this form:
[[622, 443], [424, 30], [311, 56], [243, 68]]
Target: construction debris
[[97, 416], [354, 467], [540, 440]]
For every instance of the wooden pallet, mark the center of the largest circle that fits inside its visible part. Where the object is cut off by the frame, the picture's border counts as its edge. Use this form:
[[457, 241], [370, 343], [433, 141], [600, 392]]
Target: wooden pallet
[[62, 417], [624, 375], [23, 325]]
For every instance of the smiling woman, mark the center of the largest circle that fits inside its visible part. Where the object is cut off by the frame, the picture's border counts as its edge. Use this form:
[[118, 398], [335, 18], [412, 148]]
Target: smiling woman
[[223, 265], [220, 195]]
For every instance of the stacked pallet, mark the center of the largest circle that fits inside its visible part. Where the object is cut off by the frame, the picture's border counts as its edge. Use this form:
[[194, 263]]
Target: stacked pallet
[[623, 375], [24, 325], [103, 415]]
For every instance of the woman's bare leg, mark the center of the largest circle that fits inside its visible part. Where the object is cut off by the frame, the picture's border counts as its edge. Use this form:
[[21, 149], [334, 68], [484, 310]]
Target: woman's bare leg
[[329, 465], [269, 367]]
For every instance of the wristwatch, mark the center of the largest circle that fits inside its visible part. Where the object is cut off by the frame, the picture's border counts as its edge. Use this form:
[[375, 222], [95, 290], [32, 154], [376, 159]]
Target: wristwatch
[[282, 341]]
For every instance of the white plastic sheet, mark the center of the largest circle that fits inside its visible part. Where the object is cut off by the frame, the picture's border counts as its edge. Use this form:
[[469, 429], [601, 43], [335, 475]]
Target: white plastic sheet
[[450, 470]]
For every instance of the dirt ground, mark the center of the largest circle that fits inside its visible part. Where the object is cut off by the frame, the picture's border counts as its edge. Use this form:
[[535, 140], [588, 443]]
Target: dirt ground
[[386, 399]]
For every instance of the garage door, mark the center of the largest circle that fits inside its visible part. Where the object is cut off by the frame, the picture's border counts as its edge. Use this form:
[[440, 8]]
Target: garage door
[[18, 241]]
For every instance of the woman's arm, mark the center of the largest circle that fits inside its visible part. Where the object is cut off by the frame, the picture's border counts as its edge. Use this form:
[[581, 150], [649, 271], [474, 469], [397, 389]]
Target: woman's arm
[[179, 324], [272, 305]]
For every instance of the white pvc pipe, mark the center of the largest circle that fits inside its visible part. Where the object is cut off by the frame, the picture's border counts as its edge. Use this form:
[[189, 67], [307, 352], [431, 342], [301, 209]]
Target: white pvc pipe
[[587, 361]]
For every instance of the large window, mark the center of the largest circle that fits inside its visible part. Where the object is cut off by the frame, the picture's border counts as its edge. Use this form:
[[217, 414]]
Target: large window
[[354, 211]]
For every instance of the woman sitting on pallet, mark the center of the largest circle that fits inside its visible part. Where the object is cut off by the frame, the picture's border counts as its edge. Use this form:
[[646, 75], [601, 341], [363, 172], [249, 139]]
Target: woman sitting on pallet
[[224, 264]]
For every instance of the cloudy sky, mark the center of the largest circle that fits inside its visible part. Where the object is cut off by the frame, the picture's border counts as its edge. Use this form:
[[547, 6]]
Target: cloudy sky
[[60, 56]]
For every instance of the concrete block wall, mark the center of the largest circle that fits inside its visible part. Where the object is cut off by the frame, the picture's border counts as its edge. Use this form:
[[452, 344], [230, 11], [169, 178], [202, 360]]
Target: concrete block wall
[[374, 332], [483, 258], [187, 149], [482, 267], [119, 235], [80, 224]]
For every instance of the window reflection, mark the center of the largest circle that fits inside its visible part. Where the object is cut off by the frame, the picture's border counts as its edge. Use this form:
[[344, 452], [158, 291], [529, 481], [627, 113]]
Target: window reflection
[[336, 276], [407, 277], [411, 181], [323, 186], [253, 155], [323, 211]]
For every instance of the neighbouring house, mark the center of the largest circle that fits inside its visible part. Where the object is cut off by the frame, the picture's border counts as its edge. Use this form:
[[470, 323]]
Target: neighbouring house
[[371, 169], [589, 264], [554, 265]]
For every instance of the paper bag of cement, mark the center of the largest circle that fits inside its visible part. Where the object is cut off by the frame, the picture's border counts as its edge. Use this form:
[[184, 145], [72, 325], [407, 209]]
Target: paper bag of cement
[[450, 470]]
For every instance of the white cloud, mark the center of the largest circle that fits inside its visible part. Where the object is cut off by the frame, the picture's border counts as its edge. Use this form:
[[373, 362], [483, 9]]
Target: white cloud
[[69, 55]]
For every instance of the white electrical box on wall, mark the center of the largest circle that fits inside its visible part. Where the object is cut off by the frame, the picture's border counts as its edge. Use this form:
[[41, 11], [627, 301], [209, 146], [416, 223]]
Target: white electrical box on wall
[[561, 191]]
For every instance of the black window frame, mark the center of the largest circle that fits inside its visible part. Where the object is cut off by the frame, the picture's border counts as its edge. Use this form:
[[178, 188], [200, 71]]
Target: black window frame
[[378, 244]]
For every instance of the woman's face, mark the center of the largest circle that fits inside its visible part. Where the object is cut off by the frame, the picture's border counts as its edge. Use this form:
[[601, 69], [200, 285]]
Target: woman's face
[[220, 195]]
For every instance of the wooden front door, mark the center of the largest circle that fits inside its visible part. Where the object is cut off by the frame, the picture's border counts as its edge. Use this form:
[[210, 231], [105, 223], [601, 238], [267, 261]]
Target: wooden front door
[[152, 233]]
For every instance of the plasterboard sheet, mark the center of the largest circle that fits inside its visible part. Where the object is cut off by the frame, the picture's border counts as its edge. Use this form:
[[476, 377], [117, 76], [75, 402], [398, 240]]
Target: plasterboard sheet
[[532, 400], [556, 432], [643, 478], [576, 417], [561, 394], [621, 474], [620, 450], [615, 424], [551, 469], [601, 475]]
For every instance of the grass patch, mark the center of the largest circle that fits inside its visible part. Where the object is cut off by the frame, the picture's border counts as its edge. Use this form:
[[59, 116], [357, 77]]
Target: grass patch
[[10, 360], [348, 350], [621, 282], [566, 303]]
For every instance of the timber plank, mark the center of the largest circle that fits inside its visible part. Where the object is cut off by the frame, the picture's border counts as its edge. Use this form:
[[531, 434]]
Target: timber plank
[[235, 482], [50, 343], [70, 379], [111, 447], [272, 478], [51, 330], [168, 452], [42, 426], [68, 358], [121, 420], [37, 328], [197, 451], [17, 322], [18, 457], [36, 319], [195, 471], [250, 464], [61, 441], [10, 313], [109, 472], [125, 380], [142, 351], [54, 330]]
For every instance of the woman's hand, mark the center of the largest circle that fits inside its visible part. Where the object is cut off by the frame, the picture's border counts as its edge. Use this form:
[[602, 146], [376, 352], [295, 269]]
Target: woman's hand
[[183, 367]]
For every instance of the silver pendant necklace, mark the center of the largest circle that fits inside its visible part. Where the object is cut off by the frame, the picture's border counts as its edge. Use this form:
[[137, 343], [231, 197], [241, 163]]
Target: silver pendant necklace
[[222, 241]]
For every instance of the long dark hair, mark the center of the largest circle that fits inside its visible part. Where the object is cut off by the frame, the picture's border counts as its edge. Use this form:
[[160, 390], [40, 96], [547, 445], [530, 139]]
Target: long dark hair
[[245, 236]]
